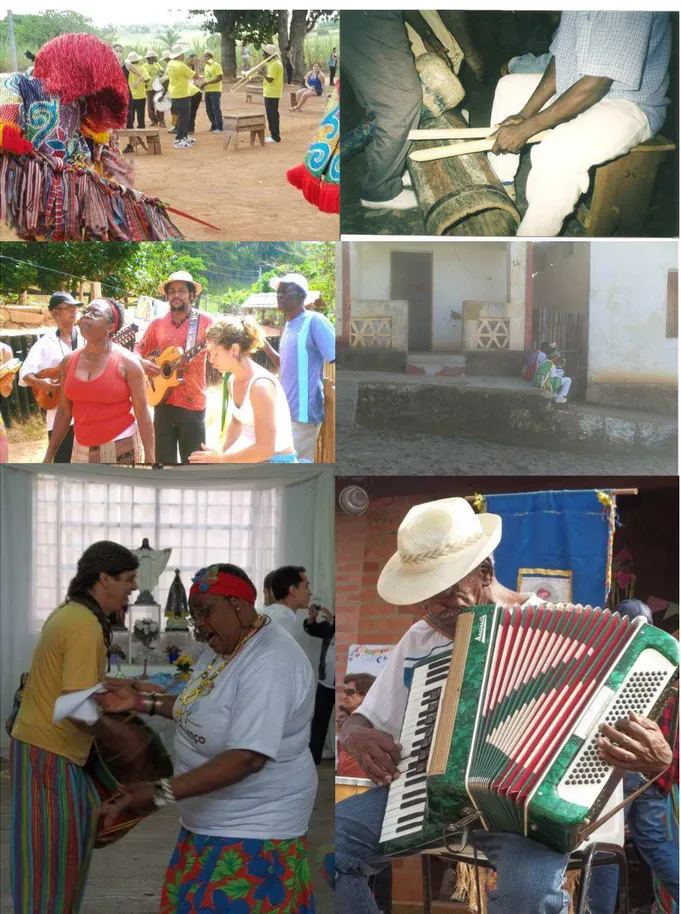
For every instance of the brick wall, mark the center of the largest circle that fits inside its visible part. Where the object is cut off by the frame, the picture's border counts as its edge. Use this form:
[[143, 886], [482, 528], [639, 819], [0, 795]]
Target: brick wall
[[363, 546]]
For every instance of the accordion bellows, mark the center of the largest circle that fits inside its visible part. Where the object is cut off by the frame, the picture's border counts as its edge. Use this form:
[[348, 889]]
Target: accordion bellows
[[504, 725]]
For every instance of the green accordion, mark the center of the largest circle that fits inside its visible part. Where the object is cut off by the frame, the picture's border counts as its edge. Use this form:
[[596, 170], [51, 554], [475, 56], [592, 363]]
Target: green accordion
[[501, 727]]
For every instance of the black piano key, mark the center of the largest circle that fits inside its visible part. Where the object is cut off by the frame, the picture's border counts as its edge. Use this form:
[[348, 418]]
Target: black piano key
[[412, 780], [403, 828], [438, 676], [421, 792], [432, 694], [411, 803], [437, 664], [411, 816]]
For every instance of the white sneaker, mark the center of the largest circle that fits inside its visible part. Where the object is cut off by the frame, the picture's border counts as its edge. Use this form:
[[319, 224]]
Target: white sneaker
[[560, 400], [270, 139], [182, 144], [191, 140], [406, 199], [406, 180], [217, 131]]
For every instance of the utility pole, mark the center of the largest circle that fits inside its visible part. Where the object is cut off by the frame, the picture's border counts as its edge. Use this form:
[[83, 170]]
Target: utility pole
[[12, 41]]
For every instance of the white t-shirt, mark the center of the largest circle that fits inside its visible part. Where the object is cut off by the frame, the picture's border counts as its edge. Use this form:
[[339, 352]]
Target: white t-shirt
[[262, 701], [386, 701], [47, 352], [283, 615]]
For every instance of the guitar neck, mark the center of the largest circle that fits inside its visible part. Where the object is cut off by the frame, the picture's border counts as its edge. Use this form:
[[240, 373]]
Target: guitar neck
[[187, 356]]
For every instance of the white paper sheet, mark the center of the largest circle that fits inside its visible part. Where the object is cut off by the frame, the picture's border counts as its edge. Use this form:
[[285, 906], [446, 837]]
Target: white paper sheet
[[78, 705]]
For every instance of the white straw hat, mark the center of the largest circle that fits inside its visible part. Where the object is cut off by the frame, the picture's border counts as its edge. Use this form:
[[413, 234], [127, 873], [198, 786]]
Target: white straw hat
[[270, 49], [180, 276], [178, 51], [133, 57], [290, 277], [150, 54], [165, 55], [438, 544]]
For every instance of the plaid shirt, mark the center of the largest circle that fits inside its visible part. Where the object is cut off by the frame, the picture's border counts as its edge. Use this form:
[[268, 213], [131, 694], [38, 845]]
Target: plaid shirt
[[632, 49], [669, 724]]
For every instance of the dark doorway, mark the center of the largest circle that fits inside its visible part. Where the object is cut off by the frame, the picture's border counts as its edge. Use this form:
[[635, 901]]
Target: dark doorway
[[411, 280]]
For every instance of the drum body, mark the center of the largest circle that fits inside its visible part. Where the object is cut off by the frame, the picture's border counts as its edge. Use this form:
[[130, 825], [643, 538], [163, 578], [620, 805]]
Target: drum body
[[162, 104], [348, 787]]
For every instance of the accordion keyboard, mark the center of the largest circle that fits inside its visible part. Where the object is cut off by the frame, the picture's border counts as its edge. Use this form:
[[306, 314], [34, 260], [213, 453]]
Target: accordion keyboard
[[406, 809]]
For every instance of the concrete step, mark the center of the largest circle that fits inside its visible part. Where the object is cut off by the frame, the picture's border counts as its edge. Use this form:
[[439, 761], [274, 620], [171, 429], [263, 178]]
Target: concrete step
[[505, 410], [436, 364], [346, 402]]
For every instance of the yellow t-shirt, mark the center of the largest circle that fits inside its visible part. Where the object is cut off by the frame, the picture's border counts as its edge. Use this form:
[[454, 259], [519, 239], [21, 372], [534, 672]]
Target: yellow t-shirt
[[210, 71], [275, 71], [193, 89], [179, 74], [154, 70], [70, 655], [140, 90]]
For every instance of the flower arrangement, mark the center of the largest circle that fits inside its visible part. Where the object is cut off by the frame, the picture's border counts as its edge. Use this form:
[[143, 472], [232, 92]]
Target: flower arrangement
[[183, 665], [173, 652], [146, 631]]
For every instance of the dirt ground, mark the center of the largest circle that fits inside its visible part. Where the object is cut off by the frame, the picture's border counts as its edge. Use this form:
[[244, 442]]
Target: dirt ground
[[245, 193]]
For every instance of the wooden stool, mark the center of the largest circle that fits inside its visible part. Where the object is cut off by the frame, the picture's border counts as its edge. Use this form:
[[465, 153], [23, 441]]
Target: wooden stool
[[253, 124], [137, 136], [622, 190], [253, 89]]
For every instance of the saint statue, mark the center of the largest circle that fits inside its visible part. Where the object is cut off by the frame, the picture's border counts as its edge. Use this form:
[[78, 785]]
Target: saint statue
[[176, 606], [152, 565]]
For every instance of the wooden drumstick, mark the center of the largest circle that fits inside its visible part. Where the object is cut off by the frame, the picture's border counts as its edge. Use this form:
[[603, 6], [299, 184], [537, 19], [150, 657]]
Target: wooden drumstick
[[464, 147]]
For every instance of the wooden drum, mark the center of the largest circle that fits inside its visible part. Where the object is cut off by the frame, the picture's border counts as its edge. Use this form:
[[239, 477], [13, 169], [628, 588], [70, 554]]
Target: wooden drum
[[348, 787]]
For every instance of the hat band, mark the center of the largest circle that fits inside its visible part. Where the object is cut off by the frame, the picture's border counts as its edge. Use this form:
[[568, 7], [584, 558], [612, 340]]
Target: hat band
[[417, 558]]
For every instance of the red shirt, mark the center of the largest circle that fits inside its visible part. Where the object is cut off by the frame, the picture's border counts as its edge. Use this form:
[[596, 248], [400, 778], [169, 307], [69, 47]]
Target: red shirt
[[102, 408], [348, 766], [163, 332]]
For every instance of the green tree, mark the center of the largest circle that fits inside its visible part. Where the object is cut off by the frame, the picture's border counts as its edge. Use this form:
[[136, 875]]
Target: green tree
[[169, 37], [249, 26], [302, 22]]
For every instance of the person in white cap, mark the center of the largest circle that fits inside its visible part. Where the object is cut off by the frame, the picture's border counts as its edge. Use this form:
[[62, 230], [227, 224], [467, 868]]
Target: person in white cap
[[308, 340], [212, 91], [176, 84], [179, 422], [138, 76], [444, 563], [272, 87], [155, 70]]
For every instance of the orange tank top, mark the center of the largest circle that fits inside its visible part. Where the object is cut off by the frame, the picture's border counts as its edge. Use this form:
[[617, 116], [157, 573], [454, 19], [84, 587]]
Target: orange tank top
[[102, 408]]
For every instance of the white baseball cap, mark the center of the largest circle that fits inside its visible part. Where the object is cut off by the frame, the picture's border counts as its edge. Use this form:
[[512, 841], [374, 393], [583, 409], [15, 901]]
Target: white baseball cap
[[290, 277]]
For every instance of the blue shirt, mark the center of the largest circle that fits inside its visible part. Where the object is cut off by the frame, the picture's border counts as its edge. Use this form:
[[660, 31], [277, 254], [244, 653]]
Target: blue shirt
[[307, 342], [632, 49]]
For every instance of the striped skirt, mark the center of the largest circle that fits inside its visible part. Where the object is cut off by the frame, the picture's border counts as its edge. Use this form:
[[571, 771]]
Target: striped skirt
[[128, 451], [55, 811]]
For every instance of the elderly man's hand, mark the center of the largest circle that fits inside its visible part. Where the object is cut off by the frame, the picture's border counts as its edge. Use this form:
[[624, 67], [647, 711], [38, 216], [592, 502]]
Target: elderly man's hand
[[636, 744], [512, 134], [377, 753]]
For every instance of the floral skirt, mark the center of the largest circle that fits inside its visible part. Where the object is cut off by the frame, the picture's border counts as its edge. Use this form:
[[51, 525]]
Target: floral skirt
[[237, 876]]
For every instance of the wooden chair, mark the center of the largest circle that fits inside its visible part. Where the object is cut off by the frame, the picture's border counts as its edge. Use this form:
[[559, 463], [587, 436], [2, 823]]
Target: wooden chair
[[137, 136], [242, 124], [622, 190]]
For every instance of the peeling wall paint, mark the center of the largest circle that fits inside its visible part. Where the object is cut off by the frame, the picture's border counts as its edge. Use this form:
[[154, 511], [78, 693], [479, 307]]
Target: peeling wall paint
[[627, 312]]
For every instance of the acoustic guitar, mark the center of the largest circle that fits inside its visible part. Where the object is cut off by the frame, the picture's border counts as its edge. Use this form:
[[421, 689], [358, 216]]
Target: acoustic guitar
[[49, 399], [172, 362]]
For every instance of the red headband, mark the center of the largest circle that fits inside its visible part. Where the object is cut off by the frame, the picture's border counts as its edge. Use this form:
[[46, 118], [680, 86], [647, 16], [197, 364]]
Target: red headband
[[114, 312], [210, 580]]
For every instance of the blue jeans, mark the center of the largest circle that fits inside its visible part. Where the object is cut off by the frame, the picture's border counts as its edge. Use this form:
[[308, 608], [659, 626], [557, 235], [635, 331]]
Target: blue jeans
[[213, 102], [644, 816], [529, 875]]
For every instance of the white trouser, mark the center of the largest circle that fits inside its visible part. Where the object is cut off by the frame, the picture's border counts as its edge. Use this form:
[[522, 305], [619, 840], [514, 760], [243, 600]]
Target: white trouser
[[564, 388], [561, 163]]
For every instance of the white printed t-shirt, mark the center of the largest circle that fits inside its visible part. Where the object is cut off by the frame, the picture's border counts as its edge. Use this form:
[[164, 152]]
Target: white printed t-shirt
[[262, 701], [386, 701], [283, 615]]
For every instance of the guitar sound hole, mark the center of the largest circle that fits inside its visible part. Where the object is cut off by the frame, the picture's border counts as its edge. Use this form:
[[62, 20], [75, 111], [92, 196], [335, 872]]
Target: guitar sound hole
[[167, 371]]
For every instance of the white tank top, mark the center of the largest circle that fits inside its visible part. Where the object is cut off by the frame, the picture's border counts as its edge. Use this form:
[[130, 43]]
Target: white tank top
[[283, 440]]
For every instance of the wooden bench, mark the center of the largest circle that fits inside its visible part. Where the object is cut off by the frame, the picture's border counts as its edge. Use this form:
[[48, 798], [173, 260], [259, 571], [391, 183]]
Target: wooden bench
[[235, 124], [253, 88], [137, 135], [622, 190]]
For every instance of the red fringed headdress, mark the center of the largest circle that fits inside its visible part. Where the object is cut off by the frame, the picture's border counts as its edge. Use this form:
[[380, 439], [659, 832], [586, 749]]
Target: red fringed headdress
[[82, 66]]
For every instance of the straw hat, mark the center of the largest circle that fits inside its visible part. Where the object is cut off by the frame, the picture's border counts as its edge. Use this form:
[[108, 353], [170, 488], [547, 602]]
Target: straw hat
[[270, 49], [165, 55], [150, 54], [438, 544], [295, 278], [133, 57], [180, 276], [177, 51]]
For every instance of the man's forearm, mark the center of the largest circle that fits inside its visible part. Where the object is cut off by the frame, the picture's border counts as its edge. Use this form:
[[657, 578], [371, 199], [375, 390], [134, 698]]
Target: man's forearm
[[355, 722], [543, 93], [585, 93]]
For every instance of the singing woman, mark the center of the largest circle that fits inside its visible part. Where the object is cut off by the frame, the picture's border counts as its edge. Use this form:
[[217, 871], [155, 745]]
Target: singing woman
[[259, 419], [103, 389], [245, 781]]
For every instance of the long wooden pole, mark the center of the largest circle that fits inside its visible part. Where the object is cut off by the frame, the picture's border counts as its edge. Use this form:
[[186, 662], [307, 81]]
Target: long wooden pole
[[462, 147], [243, 79], [612, 491]]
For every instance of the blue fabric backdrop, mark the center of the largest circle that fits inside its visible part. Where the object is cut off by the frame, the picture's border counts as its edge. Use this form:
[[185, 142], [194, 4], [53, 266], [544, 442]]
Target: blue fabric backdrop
[[560, 541]]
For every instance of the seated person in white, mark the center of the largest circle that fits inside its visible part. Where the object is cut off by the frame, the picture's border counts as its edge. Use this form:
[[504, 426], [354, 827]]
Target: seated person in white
[[258, 415]]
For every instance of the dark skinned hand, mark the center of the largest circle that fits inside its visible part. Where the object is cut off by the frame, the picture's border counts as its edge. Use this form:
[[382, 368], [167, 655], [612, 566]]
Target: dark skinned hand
[[511, 135], [376, 752], [636, 744], [136, 798]]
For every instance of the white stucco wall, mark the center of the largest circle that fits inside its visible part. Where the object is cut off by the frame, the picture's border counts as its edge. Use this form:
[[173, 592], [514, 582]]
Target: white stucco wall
[[627, 312], [462, 270]]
